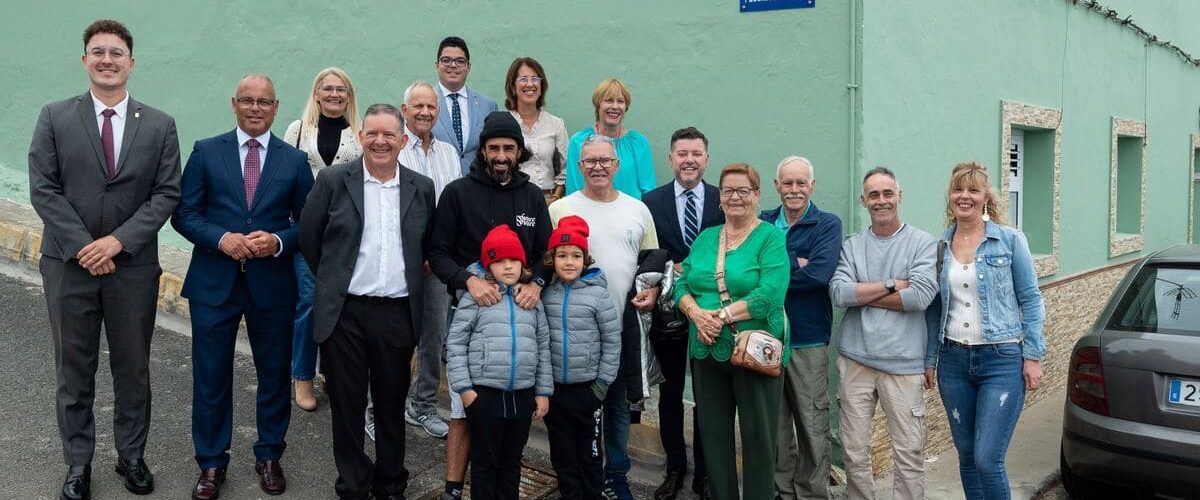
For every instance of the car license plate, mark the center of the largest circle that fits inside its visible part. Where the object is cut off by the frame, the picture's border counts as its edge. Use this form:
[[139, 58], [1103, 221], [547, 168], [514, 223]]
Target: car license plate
[[1184, 392]]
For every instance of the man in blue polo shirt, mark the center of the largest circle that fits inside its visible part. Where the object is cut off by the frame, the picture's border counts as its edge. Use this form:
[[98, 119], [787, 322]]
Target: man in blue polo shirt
[[814, 241]]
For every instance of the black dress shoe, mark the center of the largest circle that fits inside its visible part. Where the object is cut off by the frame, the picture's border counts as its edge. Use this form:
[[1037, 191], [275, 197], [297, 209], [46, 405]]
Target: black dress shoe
[[78, 485], [670, 485], [700, 487], [138, 479]]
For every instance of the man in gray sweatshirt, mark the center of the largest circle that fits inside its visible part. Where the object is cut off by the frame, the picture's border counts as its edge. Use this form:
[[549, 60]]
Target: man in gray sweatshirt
[[885, 279]]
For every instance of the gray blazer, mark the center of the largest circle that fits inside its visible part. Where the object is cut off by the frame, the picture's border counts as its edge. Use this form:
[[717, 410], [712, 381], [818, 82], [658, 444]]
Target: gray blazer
[[443, 130], [71, 192], [330, 232]]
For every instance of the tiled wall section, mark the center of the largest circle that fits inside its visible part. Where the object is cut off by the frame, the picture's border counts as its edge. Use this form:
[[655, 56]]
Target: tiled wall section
[[1026, 115], [1072, 304], [1126, 244]]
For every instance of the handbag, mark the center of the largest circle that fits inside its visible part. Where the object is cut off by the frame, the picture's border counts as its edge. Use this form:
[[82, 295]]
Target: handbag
[[754, 350]]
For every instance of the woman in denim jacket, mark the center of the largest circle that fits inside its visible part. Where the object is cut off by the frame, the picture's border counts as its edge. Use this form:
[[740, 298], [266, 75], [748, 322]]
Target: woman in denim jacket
[[985, 330]]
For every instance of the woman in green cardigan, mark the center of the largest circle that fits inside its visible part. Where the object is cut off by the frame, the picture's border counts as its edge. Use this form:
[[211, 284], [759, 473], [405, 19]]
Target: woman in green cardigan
[[756, 273]]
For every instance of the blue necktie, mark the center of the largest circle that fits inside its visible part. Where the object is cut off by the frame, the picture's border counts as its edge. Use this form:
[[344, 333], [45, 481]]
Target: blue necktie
[[456, 115], [691, 222]]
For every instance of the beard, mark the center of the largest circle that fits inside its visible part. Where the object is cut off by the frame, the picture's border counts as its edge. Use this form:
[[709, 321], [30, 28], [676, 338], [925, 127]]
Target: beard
[[501, 177]]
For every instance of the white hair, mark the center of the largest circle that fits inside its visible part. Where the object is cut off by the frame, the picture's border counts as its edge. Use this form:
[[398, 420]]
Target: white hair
[[417, 85], [812, 171]]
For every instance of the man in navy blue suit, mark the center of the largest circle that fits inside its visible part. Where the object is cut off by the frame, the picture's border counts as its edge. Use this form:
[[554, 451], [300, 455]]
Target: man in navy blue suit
[[463, 109], [681, 209], [242, 192]]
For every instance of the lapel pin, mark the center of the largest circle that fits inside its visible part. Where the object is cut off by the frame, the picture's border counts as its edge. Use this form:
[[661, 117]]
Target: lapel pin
[[137, 115]]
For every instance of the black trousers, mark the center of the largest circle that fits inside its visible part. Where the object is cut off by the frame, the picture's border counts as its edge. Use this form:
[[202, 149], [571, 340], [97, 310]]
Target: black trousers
[[372, 344], [78, 303], [499, 423], [672, 354], [575, 446]]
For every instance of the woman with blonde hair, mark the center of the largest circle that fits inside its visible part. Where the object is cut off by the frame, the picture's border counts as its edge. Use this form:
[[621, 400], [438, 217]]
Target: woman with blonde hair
[[635, 177], [328, 133], [985, 330]]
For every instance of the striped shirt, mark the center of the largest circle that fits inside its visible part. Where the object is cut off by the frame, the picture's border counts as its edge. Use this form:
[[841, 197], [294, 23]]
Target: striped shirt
[[441, 164]]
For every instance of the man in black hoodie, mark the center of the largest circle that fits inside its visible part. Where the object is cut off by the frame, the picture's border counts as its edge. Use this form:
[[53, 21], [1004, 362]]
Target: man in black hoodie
[[493, 192]]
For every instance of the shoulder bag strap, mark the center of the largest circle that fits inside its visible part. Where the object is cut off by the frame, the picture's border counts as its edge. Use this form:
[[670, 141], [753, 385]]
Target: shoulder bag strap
[[299, 133], [723, 290]]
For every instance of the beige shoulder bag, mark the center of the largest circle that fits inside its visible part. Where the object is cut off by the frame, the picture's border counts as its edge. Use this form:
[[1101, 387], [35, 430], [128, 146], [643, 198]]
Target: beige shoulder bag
[[754, 350]]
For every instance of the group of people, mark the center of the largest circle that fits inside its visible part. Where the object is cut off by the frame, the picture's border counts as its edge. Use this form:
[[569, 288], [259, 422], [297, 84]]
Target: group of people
[[547, 275]]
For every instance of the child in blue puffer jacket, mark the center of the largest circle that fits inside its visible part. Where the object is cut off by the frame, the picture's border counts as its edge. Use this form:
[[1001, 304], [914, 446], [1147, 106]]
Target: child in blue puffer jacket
[[498, 360], [585, 351]]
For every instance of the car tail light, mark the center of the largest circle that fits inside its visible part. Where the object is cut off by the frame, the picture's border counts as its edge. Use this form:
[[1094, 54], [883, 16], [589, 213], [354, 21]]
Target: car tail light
[[1085, 381]]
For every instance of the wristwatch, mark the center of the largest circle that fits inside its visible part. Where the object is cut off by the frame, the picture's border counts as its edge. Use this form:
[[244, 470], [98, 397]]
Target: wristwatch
[[890, 284], [724, 314]]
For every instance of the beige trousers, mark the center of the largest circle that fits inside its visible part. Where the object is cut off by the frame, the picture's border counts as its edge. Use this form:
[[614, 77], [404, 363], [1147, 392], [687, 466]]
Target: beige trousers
[[902, 399]]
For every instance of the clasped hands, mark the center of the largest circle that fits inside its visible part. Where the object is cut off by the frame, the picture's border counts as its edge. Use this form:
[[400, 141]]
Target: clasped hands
[[708, 324], [240, 246], [97, 256]]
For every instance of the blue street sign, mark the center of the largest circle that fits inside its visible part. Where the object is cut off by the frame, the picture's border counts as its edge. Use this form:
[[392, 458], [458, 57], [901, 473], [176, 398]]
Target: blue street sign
[[757, 5]]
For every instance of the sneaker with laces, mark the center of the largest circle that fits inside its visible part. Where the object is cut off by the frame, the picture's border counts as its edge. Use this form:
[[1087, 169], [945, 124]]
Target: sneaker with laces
[[617, 488], [431, 423], [370, 425]]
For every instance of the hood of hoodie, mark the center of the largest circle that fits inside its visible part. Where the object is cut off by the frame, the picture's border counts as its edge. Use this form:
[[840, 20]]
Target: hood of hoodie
[[480, 174]]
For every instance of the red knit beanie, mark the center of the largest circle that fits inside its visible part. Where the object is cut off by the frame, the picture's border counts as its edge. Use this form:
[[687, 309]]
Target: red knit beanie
[[501, 243], [572, 230]]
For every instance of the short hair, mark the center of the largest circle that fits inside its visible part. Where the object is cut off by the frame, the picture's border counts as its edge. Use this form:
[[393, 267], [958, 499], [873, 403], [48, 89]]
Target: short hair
[[610, 88], [881, 170], [110, 26], [973, 174], [688, 133], [383, 108], [596, 139], [453, 41], [248, 76], [510, 85], [419, 84], [740, 168], [312, 108], [812, 171], [548, 260]]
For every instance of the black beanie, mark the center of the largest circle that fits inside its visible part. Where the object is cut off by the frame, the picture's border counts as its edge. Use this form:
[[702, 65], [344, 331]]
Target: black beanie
[[502, 124]]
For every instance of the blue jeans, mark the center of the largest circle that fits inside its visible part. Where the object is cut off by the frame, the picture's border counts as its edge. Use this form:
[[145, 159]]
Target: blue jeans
[[616, 429], [304, 348], [983, 390]]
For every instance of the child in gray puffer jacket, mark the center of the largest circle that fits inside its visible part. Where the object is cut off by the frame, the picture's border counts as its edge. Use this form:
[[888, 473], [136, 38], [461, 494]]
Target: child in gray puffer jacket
[[585, 350], [498, 360]]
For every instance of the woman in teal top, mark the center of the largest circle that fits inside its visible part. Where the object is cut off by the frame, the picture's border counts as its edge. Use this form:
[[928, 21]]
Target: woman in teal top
[[757, 274], [635, 174]]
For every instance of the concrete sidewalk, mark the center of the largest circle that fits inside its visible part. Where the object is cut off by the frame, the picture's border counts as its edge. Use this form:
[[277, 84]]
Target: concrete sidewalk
[[1032, 457]]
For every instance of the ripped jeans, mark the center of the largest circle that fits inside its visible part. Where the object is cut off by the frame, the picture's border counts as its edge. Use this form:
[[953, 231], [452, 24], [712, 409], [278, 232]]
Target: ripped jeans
[[983, 391]]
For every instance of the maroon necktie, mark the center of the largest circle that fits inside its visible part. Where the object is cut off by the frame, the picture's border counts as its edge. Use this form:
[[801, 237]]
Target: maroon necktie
[[106, 139], [251, 171]]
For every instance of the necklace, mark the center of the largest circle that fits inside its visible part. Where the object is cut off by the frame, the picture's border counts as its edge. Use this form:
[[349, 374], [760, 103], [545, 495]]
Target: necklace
[[732, 240]]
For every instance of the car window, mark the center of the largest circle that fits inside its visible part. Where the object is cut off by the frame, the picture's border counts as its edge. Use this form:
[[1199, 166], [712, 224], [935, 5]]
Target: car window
[[1160, 299]]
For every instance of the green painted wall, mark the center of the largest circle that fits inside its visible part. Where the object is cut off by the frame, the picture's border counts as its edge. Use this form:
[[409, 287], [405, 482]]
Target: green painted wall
[[762, 86], [934, 76]]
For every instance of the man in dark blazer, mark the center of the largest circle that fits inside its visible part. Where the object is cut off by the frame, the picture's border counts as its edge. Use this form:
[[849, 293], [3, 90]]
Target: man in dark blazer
[[103, 177], [681, 209], [463, 109], [242, 190], [364, 232]]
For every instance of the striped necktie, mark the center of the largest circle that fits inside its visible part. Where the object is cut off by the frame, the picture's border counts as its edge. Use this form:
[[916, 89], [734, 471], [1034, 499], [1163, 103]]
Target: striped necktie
[[456, 120], [691, 222]]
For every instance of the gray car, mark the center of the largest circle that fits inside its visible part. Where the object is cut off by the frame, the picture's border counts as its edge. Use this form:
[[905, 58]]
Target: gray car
[[1132, 419]]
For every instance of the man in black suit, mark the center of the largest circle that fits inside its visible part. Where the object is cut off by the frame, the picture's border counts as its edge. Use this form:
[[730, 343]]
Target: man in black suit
[[364, 232], [103, 177], [681, 209]]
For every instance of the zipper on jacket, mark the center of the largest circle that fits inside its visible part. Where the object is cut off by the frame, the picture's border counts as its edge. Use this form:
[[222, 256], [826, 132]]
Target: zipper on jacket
[[512, 329], [566, 360]]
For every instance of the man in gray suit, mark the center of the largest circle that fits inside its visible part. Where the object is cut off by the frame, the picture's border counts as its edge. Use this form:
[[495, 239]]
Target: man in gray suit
[[364, 231], [103, 177], [463, 108]]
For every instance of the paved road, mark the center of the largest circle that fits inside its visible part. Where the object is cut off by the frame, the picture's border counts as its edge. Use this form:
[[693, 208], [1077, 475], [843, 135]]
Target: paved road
[[30, 450]]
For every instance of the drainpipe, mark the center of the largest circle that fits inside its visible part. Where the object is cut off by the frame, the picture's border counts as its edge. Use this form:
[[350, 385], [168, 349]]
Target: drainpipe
[[852, 159]]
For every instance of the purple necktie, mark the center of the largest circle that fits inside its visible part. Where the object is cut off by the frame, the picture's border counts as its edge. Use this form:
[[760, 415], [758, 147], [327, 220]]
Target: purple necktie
[[106, 139], [250, 173]]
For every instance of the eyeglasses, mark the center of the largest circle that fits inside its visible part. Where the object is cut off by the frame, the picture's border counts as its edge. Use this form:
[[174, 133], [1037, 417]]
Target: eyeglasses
[[741, 192], [453, 61], [597, 162], [530, 79], [115, 54], [330, 89], [249, 102]]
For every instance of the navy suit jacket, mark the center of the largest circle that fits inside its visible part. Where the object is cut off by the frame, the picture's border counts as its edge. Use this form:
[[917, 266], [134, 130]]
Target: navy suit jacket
[[214, 202], [661, 202], [443, 130]]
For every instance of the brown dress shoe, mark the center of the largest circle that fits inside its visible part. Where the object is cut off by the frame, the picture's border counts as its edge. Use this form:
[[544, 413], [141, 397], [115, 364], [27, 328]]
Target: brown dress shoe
[[270, 477], [306, 399], [208, 487]]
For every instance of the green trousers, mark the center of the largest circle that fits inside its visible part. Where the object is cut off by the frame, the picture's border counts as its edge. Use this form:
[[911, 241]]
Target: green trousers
[[723, 391]]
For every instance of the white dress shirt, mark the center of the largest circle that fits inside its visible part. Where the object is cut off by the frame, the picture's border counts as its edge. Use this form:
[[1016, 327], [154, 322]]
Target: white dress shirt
[[442, 163], [681, 205], [379, 270], [118, 124], [464, 104], [243, 149]]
